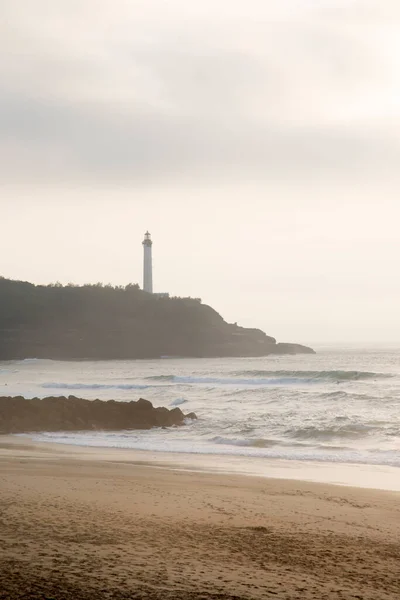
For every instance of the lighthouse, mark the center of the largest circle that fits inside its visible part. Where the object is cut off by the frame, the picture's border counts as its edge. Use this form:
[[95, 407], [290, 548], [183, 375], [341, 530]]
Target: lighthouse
[[147, 264]]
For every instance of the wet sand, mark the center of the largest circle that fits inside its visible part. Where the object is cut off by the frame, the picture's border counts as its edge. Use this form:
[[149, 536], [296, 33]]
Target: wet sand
[[78, 525]]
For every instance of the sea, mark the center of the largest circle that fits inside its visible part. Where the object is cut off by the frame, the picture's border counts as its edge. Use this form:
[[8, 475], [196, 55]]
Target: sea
[[339, 406]]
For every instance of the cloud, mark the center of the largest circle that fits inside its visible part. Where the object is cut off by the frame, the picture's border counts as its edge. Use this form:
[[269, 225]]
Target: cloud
[[128, 92]]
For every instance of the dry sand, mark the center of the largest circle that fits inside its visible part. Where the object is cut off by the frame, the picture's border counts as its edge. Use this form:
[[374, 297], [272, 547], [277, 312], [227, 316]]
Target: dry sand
[[83, 528]]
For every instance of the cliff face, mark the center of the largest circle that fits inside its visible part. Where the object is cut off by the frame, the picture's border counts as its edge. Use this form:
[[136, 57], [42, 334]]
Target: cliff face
[[99, 322]]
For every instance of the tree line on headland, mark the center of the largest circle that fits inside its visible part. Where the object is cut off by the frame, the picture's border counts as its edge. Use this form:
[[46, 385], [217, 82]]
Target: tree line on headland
[[106, 322]]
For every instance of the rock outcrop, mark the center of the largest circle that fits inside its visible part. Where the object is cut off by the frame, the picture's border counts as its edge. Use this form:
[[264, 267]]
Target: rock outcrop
[[19, 415], [285, 348]]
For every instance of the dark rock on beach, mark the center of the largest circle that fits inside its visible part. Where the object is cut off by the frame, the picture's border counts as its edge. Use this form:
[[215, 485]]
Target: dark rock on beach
[[19, 415]]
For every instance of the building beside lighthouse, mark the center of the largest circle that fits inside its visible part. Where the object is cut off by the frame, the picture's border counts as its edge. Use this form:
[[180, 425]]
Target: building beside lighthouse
[[148, 267]]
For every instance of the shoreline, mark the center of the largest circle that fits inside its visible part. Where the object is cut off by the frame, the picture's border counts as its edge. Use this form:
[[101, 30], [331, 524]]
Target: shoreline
[[85, 525], [363, 476]]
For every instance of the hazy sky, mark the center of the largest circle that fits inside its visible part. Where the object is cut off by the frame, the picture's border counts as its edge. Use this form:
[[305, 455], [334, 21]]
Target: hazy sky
[[257, 140]]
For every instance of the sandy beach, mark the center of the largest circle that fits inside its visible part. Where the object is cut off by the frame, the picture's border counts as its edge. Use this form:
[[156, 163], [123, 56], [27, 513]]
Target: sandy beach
[[77, 524]]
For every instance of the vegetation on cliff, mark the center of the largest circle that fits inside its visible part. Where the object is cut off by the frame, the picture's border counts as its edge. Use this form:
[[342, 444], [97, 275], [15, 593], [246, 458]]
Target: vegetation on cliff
[[105, 322]]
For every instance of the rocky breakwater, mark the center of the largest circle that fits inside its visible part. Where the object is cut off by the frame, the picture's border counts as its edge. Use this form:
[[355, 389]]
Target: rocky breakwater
[[20, 415]]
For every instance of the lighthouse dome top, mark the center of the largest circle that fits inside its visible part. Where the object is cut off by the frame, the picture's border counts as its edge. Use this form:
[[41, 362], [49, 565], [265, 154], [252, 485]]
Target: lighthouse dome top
[[147, 239]]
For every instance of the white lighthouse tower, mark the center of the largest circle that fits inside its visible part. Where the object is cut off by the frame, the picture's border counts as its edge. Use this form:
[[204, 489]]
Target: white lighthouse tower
[[147, 264]]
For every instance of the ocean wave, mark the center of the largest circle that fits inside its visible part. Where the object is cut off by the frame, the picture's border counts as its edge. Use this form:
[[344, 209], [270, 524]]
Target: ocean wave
[[337, 375], [34, 360], [176, 379], [224, 447], [93, 386], [339, 394], [270, 443], [349, 396], [281, 377], [349, 431], [248, 443], [178, 402], [242, 393]]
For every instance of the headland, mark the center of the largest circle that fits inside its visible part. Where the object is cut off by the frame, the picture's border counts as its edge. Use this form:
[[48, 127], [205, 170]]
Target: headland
[[105, 323]]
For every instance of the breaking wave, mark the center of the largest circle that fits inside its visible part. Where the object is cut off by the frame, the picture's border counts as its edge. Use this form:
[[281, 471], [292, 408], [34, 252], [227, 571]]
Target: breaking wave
[[262, 448], [178, 402], [256, 381], [349, 431], [318, 375], [34, 360], [255, 443], [263, 377], [93, 386]]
